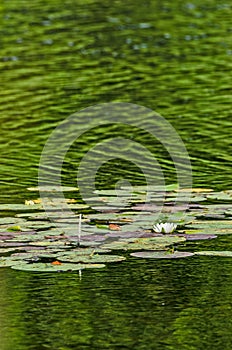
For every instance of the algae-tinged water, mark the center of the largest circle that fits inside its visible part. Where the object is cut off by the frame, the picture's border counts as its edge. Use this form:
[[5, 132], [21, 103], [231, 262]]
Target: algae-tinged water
[[58, 57]]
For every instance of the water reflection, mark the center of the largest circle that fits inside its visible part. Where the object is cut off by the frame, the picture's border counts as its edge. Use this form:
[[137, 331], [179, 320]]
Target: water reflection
[[173, 57], [175, 305]]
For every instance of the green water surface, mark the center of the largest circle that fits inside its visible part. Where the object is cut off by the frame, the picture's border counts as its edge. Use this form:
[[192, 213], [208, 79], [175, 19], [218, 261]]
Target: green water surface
[[58, 57]]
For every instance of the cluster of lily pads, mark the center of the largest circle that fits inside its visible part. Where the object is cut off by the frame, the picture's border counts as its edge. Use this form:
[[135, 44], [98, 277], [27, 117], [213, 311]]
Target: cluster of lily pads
[[29, 241]]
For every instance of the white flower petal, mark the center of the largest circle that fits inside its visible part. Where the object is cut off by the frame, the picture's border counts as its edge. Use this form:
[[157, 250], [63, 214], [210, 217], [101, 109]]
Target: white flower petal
[[167, 227]]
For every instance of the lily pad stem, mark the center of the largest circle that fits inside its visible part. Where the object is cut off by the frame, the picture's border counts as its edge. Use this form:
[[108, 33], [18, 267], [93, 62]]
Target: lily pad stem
[[79, 230]]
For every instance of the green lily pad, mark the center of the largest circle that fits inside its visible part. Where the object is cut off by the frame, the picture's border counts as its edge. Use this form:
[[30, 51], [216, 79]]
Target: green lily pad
[[19, 207], [8, 250], [215, 253], [49, 267], [161, 255], [211, 216], [33, 254], [222, 196], [11, 220], [211, 231], [88, 251], [50, 244], [95, 258], [26, 238], [14, 228], [210, 224], [144, 188], [185, 199], [7, 261], [35, 215], [154, 243]]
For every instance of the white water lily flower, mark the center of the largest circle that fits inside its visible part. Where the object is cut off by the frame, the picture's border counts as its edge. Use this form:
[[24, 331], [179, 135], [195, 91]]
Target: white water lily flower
[[167, 227]]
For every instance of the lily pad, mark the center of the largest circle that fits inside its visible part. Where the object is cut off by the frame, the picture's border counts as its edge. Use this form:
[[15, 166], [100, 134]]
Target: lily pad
[[33, 255], [89, 251], [58, 244], [144, 188], [49, 267], [7, 250], [11, 220], [95, 258], [12, 244], [132, 234], [53, 188], [161, 255], [209, 231], [185, 199], [216, 224], [7, 261], [154, 243], [195, 190], [223, 196], [215, 253], [89, 238], [19, 207], [197, 237]]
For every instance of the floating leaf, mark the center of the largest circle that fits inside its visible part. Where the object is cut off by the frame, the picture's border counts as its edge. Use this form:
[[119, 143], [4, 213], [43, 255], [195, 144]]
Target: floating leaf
[[222, 196], [11, 220], [89, 251], [161, 255], [7, 250], [215, 253], [49, 267], [14, 228], [195, 190], [7, 261], [216, 224], [89, 238], [53, 188], [33, 255], [186, 199], [197, 237], [209, 231], [12, 244], [50, 244], [209, 216], [95, 258], [132, 234], [153, 243]]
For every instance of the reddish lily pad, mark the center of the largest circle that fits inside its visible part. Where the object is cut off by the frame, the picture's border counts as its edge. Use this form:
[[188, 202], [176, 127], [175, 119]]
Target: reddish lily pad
[[53, 188], [197, 237]]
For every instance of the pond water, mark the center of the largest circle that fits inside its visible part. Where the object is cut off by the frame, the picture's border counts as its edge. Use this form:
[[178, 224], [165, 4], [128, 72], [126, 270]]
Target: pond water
[[59, 57]]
